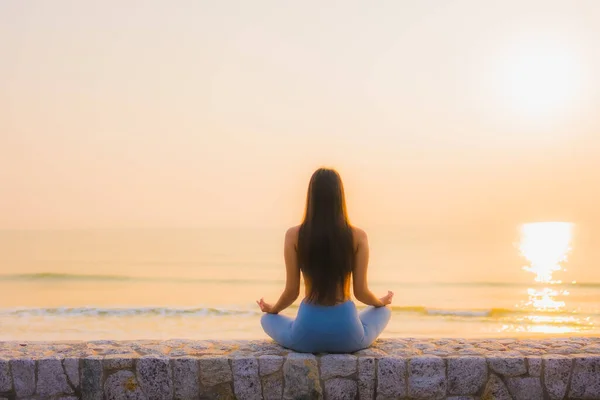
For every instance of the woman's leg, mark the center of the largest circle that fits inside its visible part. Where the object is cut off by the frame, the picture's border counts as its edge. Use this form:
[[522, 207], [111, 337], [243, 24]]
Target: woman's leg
[[374, 321], [279, 328]]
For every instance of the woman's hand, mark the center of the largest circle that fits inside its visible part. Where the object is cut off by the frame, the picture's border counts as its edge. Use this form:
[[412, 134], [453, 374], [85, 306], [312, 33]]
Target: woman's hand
[[387, 299], [265, 307]]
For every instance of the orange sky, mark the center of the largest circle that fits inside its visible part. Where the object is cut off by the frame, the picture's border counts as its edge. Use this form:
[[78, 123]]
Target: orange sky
[[438, 114]]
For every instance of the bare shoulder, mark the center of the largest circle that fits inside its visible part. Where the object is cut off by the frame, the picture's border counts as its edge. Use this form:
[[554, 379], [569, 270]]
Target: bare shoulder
[[291, 235], [359, 235]]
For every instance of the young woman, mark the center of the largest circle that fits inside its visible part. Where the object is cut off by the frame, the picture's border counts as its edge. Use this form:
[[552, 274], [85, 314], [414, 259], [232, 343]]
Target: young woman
[[329, 253]]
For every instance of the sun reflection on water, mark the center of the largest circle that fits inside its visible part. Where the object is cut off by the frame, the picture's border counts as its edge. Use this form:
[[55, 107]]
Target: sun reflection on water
[[546, 246]]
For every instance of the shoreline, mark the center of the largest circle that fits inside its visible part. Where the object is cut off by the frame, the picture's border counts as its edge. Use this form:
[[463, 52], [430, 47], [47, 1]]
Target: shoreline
[[449, 368]]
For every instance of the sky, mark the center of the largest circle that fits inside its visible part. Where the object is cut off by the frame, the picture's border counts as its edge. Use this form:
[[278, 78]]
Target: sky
[[455, 116]]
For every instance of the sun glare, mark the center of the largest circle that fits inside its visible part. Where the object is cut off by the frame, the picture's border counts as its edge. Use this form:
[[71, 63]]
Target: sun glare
[[539, 77], [545, 245]]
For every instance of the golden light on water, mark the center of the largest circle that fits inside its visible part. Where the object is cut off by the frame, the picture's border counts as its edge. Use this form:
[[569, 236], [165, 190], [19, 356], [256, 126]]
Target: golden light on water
[[545, 245], [544, 299]]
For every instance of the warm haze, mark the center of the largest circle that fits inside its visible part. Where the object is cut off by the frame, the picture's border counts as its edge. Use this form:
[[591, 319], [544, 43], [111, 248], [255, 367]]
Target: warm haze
[[196, 125], [454, 115]]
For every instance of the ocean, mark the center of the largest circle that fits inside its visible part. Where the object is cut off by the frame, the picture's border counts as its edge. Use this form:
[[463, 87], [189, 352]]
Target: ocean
[[203, 283]]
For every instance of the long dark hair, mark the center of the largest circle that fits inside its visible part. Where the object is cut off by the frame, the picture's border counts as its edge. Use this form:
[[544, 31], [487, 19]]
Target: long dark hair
[[325, 244]]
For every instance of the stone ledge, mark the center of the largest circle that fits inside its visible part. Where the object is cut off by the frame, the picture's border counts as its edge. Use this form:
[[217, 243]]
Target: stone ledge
[[557, 368]]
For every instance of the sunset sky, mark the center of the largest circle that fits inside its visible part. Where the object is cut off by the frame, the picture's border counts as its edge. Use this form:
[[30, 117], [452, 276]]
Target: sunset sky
[[441, 114]]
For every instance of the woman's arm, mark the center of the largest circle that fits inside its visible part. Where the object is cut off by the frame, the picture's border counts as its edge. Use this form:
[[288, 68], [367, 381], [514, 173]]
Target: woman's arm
[[292, 280], [359, 274]]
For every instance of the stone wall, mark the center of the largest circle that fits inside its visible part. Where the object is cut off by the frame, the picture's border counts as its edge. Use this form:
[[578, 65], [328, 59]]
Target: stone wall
[[391, 369]]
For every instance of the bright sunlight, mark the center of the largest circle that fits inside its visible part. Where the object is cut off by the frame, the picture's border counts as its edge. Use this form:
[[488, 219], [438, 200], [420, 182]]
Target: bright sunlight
[[539, 77], [545, 245]]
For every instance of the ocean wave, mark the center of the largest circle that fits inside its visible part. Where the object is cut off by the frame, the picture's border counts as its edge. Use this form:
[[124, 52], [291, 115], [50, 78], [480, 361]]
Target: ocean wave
[[494, 313], [54, 276], [499, 314], [58, 277], [65, 277], [469, 313], [125, 312]]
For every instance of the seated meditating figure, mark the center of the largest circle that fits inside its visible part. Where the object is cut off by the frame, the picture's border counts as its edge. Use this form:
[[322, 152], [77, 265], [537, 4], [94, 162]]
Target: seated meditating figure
[[331, 255]]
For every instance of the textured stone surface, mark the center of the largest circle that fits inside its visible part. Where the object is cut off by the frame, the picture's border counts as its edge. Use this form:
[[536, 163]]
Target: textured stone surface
[[5, 378], [585, 383], [51, 378], [508, 366], [495, 389], [340, 389], [118, 361], [214, 370], [405, 347], [269, 364], [390, 378], [154, 375], [557, 371], [337, 365], [186, 378], [301, 376], [272, 386], [466, 375], [366, 378], [71, 366], [91, 378], [534, 365], [23, 372], [592, 349], [123, 385], [222, 391], [552, 368], [525, 388], [427, 378], [246, 382]]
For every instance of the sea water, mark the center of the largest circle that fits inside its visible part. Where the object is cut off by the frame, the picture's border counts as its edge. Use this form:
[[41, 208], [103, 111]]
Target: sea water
[[203, 284]]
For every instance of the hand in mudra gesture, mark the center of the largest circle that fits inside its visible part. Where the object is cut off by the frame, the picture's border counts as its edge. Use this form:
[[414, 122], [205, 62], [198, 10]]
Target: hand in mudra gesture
[[387, 299], [265, 307]]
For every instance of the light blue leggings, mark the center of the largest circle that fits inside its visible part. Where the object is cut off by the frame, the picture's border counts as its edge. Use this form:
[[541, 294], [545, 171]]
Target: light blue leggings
[[327, 329]]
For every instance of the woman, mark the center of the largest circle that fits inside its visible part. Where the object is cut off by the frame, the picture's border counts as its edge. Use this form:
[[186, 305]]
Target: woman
[[328, 251]]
